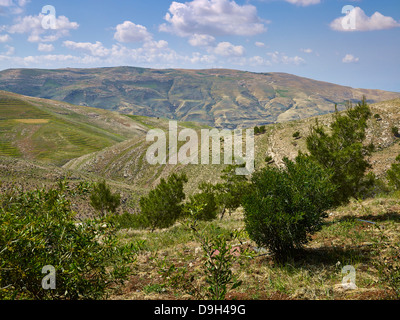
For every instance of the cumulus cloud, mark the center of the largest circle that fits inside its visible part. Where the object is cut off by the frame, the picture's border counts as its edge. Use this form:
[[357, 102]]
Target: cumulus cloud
[[227, 49], [308, 50], [201, 40], [349, 58], [45, 47], [4, 38], [12, 7], [304, 3], [259, 44], [131, 32], [95, 49], [281, 58], [32, 25], [10, 50], [212, 17], [361, 22]]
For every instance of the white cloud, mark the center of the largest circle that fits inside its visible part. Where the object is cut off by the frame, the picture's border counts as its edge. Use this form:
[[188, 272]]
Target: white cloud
[[259, 44], [304, 3], [349, 58], [227, 49], [201, 40], [131, 32], [281, 58], [95, 49], [12, 7], [45, 47], [308, 50], [362, 22], [212, 17], [10, 50], [32, 25], [4, 38]]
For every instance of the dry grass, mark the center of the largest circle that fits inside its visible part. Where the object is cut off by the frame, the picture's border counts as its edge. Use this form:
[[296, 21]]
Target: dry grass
[[313, 273]]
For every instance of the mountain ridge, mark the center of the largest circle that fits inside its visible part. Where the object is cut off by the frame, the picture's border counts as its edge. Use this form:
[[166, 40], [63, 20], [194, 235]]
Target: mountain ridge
[[220, 98]]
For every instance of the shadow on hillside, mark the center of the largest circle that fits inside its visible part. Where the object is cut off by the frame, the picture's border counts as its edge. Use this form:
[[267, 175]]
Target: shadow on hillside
[[331, 255], [389, 215]]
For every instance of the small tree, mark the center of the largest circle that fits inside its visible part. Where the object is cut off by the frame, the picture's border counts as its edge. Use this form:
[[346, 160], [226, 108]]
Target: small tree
[[284, 206], [162, 207], [103, 200], [262, 129], [203, 203], [395, 131], [342, 150], [38, 229], [393, 174], [256, 130], [231, 191]]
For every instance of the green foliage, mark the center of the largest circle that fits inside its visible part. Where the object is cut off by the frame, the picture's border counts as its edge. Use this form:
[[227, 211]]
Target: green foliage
[[256, 130], [296, 134], [205, 200], [377, 116], [103, 200], [393, 174], [395, 131], [38, 229], [162, 207], [219, 256], [286, 205], [262, 129], [230, 192], [342, 150], [268, 159]]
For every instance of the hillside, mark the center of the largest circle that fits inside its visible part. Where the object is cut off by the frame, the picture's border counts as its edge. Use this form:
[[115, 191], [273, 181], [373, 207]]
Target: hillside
[[217, 97]]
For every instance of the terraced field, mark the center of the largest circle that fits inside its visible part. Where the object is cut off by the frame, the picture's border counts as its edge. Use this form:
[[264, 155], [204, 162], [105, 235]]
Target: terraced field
[[57, 132]]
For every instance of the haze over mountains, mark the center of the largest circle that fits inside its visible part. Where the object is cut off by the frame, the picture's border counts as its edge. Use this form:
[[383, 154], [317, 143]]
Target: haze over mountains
[[216, 97]]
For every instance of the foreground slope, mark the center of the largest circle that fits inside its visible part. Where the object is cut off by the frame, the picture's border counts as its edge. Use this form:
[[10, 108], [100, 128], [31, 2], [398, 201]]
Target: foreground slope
[[217, 97]]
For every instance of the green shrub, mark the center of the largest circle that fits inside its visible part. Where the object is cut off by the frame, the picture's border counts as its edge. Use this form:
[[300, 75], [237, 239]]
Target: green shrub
[[393, 174], [162, 207], [286, 205], [343, 151], [38, 229], [395, 131], [205, 200], [296, 134], [256, 130], [103, 200]]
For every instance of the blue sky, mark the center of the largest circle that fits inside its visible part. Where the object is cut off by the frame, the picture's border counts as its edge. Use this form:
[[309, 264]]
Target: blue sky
[[310, 38]]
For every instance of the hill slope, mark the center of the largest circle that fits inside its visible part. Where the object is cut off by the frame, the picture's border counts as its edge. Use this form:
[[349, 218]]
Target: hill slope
[[55, 132], [219, 98]]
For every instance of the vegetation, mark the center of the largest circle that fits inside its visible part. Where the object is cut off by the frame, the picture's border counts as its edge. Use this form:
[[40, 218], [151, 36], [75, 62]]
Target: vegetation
[[342, 150], [162, 207], [37, 229], [285, 206], [393, 174], [103, 200]]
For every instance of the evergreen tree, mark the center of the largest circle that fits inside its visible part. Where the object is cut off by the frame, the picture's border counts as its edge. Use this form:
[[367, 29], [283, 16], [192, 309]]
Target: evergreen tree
[[162, 207], [103, 200], [342, 150]]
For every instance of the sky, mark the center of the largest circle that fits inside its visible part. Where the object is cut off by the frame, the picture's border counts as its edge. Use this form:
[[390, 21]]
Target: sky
[[348, 42]]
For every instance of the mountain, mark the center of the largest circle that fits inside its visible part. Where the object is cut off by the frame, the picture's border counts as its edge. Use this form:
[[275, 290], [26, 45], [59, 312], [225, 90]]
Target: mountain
[[217, 97]]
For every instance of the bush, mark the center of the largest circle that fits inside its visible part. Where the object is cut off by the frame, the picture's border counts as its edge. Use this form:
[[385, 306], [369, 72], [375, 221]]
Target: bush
[[162, 207], [393, 174], [296, 135], [343, 151], [203, 203], [230, 192], [395, 131], [256, 130], [286, 205], [38, 229], [103, 200]]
